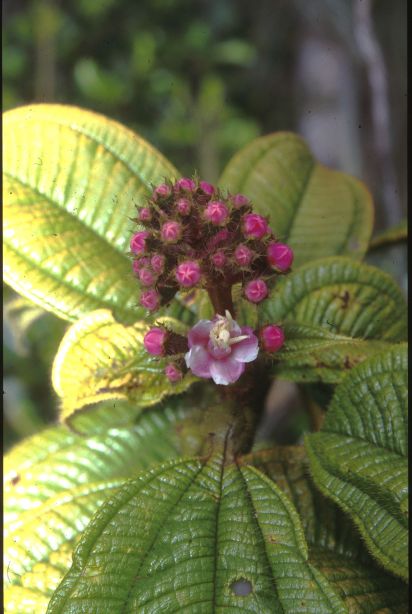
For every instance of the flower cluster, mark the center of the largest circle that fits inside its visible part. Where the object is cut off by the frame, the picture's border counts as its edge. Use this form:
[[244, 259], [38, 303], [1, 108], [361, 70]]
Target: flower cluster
[[195, 236], [218, 349]]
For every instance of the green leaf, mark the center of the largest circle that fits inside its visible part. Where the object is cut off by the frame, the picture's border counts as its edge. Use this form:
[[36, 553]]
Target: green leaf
[[55, 481], [345, 297], [312, 353], [359, 458], [318, 211], [72, 179], [396, 234], [365, 589], [100, 359], [334, 544], [179, 538], [19, 315]]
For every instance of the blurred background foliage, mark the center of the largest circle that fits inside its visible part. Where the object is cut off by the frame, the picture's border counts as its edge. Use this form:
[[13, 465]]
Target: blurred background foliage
[[199, 79]]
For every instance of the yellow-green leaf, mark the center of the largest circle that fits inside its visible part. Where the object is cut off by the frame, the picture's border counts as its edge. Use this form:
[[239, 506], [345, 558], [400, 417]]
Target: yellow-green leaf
[[318, 211], [71, 181], [100, 359]]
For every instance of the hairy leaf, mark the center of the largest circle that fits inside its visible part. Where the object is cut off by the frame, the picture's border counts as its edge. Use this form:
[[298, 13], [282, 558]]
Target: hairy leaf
[[343, 296], [55, 481], [359, 458], [312, 353], [72, 179], [181, 537], [334, 544], [100, 359], [318, 211]]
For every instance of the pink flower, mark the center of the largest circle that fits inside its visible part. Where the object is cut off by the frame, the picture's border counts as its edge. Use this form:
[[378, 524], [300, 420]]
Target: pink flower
[[239, 200], [220, 348], [256, 290], [146, 277], [154, 341], [218, 259], [173, 373], [162, 190], [185, 184], [216, 212], [207, 188], [150, 299], [188, 273], [158, 263], [183, 206], [145, 214], [271, 337], [280, 256], [171, 232], [138, 242], [254, 226], [243, 255]]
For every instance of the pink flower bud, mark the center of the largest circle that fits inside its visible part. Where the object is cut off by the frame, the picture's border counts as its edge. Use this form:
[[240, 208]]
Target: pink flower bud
[[140, 263], [150, 299], [207, 188], [188, 273], [254, 226], [144, 214], [173, 373], [162, 191], [256, 290], [158, 263], [271, 337], [243, 255], [138, 242], [154, 341], [280, 256], [146, 277], [216, 212], [171, 232], [183, 206], [218, 259], [186, 184], [239, 200]]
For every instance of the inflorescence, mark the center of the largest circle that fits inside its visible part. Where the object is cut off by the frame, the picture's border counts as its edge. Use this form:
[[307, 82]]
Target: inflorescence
[[195, 236]]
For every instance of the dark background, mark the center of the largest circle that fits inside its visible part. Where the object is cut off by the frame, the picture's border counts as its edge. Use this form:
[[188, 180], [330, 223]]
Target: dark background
[[199, 79]]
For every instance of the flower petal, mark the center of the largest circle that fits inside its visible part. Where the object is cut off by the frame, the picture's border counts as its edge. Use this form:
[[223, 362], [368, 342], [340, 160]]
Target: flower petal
[[248, 349], [226, 371], [199, 361], [199, 334]]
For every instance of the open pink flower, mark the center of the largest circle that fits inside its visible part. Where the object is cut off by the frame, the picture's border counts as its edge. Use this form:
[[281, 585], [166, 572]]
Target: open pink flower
[[219, 349]]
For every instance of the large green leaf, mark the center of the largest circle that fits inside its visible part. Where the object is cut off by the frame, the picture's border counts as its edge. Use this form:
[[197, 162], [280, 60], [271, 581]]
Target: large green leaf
[[335, 546], [100, 359], [359, 458], [318, 211], [313, 353], [71, 181], [181, 537], [55, 481], [345, 297]]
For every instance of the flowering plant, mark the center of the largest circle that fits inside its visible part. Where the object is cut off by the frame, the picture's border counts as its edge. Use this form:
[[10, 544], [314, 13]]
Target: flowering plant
[[163, 488]]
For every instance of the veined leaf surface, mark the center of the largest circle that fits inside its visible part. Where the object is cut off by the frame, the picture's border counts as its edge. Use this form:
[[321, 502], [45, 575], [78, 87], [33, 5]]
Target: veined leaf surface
[[318, 211], [359, 458], [71, 181], [345, 297], [179, 538], [335, 546], [55, 481]]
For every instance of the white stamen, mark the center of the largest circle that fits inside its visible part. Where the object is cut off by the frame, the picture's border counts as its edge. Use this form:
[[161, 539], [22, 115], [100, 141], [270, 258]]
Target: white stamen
[[220, 332]]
